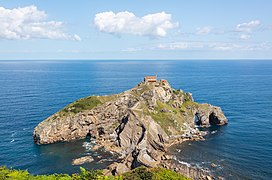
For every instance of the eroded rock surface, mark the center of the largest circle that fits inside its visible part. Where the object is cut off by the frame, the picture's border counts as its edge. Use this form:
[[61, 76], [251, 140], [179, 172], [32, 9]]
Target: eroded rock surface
[[82, 160], [210, 115], [139, 124]]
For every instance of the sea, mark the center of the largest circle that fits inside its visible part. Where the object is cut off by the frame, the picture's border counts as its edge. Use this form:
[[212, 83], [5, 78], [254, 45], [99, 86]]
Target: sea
[[31, 91]]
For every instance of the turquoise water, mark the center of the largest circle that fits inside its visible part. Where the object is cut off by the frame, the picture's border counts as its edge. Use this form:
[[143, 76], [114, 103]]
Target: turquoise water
[[30, 91]]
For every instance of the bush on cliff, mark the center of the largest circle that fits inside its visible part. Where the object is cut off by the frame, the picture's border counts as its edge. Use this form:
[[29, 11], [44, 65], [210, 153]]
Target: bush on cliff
[[141, 173], [82, 104]]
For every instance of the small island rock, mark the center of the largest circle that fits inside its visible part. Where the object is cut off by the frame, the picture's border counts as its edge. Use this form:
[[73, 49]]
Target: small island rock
[[82, 160]]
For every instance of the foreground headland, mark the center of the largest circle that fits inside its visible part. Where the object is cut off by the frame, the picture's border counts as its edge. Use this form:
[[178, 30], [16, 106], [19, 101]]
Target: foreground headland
[[139, 124]]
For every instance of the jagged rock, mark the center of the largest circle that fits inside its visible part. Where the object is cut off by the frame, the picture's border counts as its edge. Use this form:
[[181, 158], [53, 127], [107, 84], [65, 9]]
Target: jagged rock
[[213, 165], [210, 115], [167, 157], [96, 147], [82, 160], [140, 124], [209, 178]]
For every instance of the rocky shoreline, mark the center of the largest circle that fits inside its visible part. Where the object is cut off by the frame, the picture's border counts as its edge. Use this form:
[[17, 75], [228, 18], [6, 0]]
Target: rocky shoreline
[[139, 124]]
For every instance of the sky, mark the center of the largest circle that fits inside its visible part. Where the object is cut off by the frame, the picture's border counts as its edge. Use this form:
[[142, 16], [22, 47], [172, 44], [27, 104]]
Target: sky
[[123, 29]]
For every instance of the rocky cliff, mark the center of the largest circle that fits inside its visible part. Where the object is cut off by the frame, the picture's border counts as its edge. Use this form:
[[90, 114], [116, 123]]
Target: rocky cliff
[[139, 124]]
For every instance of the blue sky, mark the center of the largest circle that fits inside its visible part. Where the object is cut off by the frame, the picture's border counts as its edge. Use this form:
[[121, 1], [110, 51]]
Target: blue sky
[[101, 29]]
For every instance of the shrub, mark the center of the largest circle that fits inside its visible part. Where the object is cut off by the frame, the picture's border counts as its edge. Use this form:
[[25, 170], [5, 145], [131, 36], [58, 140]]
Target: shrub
[[166, 174], [92, 174], [141, 173], [82, 104]]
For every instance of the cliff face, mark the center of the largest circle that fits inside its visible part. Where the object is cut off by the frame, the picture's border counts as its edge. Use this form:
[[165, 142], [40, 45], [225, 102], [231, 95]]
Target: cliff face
[[139, 123]]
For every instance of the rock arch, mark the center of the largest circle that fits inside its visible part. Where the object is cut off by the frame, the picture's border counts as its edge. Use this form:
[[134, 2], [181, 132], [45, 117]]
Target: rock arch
[[213, 119]]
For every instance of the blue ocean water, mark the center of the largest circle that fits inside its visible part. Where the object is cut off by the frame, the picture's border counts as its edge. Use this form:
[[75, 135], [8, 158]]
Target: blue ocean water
[[30, 91]]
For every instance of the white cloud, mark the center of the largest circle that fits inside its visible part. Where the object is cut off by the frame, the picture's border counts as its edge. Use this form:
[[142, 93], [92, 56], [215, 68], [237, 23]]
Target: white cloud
[[132, 49], [180, 46], [216, 46], [77, 37], [203, 30], [245, 36], [30, 23], [153, 25], [248, 26], [190, 45]]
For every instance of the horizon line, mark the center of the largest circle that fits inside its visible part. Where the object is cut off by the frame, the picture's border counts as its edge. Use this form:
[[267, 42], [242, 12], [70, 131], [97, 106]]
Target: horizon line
[[121, 59]]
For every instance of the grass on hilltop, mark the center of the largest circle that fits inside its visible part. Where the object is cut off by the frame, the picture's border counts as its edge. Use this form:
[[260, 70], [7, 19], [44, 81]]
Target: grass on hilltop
[[86, 103]]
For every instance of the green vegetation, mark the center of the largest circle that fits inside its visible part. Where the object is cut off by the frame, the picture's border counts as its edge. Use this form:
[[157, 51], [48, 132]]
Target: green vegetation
[[141, 89], [138, 174], [108, 98], [187, 97], [166, 174], [86, 104], [172, 119], [141, 173], [82, 104], [190, 104], [187, 106], [176, 92], [165, 119], [7, 174], [10, 174], [169, 118]]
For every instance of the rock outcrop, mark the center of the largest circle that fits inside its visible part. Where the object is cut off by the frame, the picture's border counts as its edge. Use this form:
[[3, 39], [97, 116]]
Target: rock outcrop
[[210, 115], [82, 160], [139, 124]]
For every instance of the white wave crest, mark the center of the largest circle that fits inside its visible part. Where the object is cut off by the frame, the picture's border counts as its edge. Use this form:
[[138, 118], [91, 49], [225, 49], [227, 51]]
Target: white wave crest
[[185, 163], [213, 132]]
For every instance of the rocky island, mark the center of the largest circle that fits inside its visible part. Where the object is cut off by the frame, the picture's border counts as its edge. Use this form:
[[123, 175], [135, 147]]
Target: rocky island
[[139, 124]]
